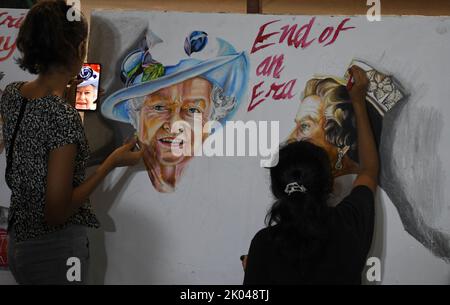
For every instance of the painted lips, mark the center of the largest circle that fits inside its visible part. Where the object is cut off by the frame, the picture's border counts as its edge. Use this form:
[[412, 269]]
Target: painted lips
[[81, 105], [170, 141]]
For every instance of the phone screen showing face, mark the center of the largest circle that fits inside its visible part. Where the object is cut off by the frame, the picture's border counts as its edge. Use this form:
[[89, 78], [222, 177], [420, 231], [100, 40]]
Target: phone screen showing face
[[87, 90]]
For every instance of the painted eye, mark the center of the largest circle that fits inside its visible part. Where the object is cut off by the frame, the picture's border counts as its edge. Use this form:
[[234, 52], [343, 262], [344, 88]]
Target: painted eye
[[159, 108], [305, 127], [193, 110]]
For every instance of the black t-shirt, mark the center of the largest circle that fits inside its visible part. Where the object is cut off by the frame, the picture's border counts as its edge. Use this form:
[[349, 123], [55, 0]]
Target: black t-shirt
[[342, 261]]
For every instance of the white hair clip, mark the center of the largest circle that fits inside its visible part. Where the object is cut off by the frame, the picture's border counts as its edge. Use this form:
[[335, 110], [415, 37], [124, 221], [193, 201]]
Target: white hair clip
[[295, 187]]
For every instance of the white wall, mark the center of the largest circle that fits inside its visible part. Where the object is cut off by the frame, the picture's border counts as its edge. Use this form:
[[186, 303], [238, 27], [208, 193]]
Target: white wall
[[196, 236]]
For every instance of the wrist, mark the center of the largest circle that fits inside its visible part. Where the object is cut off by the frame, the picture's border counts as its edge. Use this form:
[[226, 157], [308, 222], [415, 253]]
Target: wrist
[[359, 103], [107, 165]]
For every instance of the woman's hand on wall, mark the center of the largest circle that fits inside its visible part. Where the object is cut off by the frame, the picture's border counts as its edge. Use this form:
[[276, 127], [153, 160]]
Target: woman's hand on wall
[[125, 155], [361, 82]]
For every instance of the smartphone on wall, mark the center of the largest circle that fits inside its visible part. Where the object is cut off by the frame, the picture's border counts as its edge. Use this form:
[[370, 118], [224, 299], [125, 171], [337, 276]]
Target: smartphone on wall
[[87, 90]]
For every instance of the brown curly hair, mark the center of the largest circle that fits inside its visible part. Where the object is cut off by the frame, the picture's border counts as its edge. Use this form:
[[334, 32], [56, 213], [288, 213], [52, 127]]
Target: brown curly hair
[[48, 39]]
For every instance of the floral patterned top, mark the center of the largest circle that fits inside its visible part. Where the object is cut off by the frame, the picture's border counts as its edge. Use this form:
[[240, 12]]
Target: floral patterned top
[[48, 123]]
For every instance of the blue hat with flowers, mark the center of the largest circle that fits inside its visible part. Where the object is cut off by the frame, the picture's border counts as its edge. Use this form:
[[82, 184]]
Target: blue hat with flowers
[[227, 70]]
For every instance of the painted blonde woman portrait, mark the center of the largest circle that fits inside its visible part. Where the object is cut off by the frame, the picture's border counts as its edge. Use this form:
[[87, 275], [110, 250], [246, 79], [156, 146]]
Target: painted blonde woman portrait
[[325, 118]]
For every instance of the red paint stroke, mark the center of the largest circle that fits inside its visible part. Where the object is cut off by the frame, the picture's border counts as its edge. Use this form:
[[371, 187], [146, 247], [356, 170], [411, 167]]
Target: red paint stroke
[[8, 43], [339, 29], [297, 35], [271, 65], [10, 21], [276, 92], [282, 91], [301, 35], [326, 34], [255, 95], [6, 47], [260, 38]]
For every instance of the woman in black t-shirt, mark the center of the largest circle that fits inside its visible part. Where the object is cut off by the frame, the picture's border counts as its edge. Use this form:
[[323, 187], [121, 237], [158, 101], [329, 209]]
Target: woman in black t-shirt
[[308, 242]]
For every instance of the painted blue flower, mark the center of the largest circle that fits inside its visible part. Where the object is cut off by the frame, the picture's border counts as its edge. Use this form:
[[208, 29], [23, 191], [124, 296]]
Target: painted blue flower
[[195, 42]]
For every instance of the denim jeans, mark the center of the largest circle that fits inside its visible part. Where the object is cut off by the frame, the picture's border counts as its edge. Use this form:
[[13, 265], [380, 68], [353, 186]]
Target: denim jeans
[[44, 260]]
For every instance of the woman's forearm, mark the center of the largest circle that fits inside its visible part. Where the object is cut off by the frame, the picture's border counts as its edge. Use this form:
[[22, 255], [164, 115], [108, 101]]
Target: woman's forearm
[[367, 150], [62, 200]]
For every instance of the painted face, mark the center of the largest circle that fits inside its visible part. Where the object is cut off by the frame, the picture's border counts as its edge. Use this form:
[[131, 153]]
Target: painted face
[[188, 101], [310, 121], [310, 126], [86, 97]]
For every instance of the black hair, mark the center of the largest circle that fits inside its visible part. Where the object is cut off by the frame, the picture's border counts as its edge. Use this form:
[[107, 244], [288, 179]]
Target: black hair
[[47, 38], [300, 218]]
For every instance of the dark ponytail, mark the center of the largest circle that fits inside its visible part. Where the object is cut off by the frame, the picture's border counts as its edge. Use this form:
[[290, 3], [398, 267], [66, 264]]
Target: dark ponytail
[[301, 217], [47, 38]]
